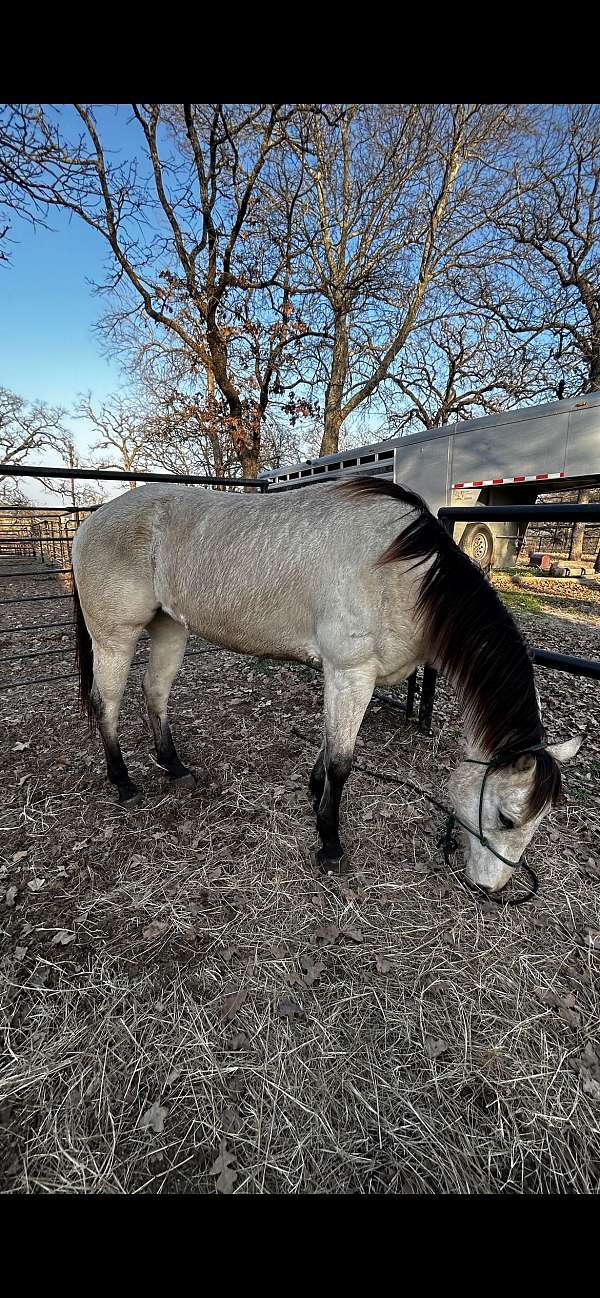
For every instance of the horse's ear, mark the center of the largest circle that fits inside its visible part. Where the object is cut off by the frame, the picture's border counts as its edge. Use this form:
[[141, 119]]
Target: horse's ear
[[565, 752]]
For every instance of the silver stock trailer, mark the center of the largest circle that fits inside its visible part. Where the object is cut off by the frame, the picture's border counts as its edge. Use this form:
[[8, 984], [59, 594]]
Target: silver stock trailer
[[504, 459]]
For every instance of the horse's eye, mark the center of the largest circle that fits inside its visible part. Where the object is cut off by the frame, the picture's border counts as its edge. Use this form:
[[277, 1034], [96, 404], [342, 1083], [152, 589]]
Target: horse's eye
[[504, 820]]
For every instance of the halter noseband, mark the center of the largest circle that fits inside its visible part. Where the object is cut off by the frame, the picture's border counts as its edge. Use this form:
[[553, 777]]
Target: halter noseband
[[449, 843]]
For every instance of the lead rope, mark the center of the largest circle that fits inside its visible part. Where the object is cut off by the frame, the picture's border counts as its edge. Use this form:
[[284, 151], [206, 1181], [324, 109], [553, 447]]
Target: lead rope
[[448, 841]]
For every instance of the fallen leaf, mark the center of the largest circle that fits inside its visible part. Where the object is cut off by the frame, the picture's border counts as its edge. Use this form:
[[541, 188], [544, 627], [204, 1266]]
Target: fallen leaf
[[154, 1118], [20, 952], [232, 1120], [63, 938], [312, 970], [20, 748], [11, 895], [328, 934], [34, 885], [232, 1003], [288, 1009], [239, 1041], [224, 1170], [155, 929], [383, 964], [173, 1075], [19, 856], [435, 1046], [354, 934]]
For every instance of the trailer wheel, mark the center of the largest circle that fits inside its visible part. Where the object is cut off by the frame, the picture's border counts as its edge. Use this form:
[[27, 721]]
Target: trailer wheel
[[478, 543]]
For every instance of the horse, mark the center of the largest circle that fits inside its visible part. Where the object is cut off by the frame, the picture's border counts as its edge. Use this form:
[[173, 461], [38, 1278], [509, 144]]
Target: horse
[[357, 578]]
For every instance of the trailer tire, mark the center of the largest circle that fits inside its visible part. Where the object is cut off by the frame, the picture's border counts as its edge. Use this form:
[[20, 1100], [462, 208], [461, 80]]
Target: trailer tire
[[478, 542]]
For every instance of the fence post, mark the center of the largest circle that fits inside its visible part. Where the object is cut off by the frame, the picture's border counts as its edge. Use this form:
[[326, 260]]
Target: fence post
[[411, 685]]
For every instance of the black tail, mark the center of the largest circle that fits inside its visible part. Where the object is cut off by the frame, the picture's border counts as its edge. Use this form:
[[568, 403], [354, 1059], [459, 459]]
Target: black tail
[[85, 660]]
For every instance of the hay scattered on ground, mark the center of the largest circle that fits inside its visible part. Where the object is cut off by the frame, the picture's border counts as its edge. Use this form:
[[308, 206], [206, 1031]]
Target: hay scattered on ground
[[186, 1006]]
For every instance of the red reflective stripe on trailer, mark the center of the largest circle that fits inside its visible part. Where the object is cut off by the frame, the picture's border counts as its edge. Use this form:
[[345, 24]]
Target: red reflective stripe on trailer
[[457, 484], [495, 481], [479, 483], [540, 476], [520, 478]]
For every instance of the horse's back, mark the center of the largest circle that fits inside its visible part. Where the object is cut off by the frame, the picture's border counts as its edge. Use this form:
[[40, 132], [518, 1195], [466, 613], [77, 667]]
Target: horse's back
[[283, 574]]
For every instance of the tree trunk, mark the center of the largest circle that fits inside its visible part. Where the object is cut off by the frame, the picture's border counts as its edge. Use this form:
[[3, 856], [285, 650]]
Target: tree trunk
[[330, 442], [595, 363], [576, 551]]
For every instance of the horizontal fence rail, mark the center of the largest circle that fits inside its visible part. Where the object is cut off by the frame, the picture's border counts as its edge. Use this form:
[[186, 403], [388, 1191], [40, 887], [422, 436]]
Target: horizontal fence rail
[[43, 534], [121, 475], [452, 514], [520, 513]]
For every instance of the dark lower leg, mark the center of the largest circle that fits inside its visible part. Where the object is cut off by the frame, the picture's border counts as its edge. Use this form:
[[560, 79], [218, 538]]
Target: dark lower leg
[[316, 779], [166, 753], [328, 813], [115, 765]]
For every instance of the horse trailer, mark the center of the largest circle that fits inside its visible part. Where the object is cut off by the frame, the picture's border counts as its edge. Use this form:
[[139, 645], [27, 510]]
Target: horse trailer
[[502, 459]]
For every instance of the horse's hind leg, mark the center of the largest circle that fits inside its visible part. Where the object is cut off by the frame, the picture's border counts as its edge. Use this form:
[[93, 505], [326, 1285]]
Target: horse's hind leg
[[167, 647], [347, 695], [111, 668]]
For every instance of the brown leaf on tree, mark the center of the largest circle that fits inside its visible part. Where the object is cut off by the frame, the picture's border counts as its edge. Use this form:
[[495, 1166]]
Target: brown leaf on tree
[[223, 1168]]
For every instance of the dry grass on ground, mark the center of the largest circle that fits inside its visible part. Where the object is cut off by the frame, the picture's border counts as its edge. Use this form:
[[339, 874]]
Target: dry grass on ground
[[186, 1006]]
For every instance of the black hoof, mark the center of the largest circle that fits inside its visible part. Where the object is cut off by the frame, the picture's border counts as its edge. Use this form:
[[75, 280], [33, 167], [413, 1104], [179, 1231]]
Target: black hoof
[[187, 781], [129, 797], [328, 864]]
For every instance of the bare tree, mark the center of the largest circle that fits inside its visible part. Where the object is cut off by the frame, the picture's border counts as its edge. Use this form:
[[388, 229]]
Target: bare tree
[[460, 367], [26, 429], [199, 248], [544, 278], [23, 177], [120, 431], [80, 493], [401, 198]]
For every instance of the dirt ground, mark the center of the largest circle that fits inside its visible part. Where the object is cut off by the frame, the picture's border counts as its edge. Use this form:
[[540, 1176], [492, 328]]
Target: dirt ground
[[186, 1006]]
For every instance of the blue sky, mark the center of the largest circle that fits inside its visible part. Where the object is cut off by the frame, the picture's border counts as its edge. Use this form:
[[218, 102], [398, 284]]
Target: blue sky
[[47, 309], [48, 348]]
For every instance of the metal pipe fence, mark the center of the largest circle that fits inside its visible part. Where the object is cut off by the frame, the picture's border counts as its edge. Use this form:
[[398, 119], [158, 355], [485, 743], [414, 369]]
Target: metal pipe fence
[[43, 535]]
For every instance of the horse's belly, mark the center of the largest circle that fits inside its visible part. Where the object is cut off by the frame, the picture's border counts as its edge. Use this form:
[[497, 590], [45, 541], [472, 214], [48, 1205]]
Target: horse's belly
[[260, 635]]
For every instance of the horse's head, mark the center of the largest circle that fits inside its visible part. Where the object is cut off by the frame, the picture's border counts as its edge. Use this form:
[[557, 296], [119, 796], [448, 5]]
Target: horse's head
[[504, 804]]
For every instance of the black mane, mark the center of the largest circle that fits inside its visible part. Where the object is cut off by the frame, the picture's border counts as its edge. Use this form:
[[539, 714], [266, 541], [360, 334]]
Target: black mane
[[472, 638]]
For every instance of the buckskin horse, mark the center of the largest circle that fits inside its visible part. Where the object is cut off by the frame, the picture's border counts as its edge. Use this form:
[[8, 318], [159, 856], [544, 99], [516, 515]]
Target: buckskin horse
[[357, 578]]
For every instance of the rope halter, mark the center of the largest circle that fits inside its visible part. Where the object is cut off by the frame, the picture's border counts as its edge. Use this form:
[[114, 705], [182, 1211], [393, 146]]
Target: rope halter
[[449, 843]]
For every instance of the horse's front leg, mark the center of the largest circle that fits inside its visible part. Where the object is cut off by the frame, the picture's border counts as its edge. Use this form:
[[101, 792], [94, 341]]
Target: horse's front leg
[[316, 779], [347, 695]]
